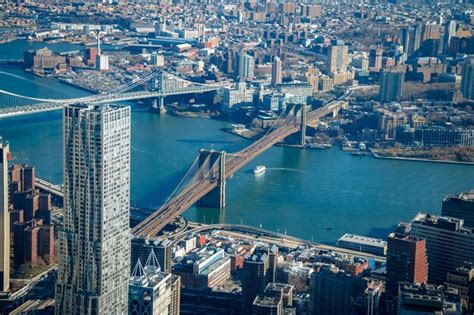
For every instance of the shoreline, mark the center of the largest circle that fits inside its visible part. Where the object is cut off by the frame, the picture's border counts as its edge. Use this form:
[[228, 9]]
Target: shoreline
[[78, 86], [401, 158], [250, 136]]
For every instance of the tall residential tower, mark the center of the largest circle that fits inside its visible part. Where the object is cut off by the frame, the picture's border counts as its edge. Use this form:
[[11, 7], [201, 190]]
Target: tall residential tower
[[467, 79], [338, 56], [277, 76], [4, 219], [94, 246]]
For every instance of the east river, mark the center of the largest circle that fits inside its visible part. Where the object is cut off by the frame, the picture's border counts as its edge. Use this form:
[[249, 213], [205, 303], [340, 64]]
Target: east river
[[313, 194]]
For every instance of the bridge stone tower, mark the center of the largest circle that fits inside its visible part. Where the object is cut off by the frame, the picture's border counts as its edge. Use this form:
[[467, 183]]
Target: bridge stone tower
[[216, 170], [298, 139], [158, 85]]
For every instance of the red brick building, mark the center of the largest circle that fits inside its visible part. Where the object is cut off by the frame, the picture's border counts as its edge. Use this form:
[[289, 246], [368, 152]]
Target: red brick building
[[30, 217], [406, 261]]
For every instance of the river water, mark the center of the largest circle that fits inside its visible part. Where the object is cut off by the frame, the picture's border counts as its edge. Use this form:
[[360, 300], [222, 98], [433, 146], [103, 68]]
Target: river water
[[312, 194]]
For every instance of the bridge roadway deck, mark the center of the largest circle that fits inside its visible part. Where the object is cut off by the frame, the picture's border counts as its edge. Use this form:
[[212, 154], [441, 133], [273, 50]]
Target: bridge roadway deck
[[190, 195], [53, 189], [100, 99]]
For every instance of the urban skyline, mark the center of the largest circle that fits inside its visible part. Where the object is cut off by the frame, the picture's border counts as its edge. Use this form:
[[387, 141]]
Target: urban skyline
[[193, 134]]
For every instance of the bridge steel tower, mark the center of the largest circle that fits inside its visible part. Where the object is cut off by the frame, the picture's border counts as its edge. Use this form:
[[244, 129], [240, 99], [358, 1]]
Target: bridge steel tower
[[158, 104], [216, 197], [300, 114]]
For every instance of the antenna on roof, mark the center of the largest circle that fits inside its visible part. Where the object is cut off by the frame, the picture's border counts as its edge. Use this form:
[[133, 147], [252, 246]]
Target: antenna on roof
[[138, 270], [152, 265]]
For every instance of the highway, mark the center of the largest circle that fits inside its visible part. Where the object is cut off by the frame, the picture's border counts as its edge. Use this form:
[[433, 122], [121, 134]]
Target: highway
[[258, 234], [52, 188]]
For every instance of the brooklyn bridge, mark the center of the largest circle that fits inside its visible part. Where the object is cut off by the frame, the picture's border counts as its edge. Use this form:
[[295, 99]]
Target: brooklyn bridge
[[204, 183]]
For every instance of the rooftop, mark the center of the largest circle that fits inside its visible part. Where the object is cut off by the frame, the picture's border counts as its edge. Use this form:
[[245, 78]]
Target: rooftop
[[468, 196], [363, 240], [443, 223], [266, 301]]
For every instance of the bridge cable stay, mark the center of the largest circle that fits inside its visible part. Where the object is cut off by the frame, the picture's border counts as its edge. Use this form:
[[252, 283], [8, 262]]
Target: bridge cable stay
[[182, 188], [202, 177], [185, 180], [282, 120], [177, 78], [117, 90], [13, 100], [206, 177], [130, 85]]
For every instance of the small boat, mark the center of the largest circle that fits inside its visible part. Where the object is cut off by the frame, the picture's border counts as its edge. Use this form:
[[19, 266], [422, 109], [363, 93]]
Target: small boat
[[259, 169]]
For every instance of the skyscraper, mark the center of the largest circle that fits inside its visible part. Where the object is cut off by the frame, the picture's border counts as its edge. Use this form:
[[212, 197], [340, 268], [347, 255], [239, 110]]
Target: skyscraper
[[448, 244], [255, 277], [460, 206], [406, 261], [94, 246], [411, 39], [4, 219], [375, 58], [467, 79], [246, 66], [391, 86], [338, 56], [277, 75], [449, 31]]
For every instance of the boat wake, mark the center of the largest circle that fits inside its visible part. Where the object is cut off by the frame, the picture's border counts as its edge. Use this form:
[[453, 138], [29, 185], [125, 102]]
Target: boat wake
[[15, 76], [284, 169]]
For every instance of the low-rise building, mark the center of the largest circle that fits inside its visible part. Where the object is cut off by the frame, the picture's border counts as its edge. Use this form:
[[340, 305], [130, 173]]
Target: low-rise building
[[207, 267], [363, 244]]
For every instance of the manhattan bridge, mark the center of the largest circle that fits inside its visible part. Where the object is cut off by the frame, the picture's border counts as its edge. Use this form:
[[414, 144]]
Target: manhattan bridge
[[159, 84], [205, 181]]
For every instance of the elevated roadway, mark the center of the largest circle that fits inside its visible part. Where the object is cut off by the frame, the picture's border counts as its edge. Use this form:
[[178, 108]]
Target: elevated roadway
[[258, 234]]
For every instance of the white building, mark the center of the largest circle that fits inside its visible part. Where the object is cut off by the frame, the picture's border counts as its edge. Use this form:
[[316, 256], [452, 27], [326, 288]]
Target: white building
[[246, 67], [240, 95], [94, 246], [157, 60], [363, 244], [102, 62]]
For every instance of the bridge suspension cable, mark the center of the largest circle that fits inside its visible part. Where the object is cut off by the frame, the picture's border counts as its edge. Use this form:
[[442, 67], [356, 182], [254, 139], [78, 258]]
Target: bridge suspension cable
[[187, 178], [12, 104]]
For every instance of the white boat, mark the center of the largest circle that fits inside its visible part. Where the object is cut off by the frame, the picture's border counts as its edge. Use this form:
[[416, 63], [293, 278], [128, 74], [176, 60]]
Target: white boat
[[259, 169]]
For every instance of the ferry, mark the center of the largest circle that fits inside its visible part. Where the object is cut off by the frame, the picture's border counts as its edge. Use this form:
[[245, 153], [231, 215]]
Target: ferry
[[259, 169]]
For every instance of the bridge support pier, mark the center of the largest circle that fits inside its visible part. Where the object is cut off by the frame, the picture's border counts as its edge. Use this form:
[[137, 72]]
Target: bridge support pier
[[158, 105], [299, 138], [216, 197]]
